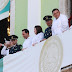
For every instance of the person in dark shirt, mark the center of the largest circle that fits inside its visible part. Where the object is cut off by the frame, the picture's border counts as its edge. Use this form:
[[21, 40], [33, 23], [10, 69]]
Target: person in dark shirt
[[15, 48], [11, 46], [48, 31]]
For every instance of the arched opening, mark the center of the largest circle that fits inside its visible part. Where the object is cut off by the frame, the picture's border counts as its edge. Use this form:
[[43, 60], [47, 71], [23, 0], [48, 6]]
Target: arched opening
[[7, 24]]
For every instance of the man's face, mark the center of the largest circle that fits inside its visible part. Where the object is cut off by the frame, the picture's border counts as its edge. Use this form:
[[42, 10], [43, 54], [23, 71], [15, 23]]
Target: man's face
[[25, 35], [56, 14], [49, 23], [14, 42]]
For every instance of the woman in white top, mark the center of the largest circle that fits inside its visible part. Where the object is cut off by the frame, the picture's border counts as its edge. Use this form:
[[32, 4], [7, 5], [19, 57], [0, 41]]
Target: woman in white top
[[39, 35]]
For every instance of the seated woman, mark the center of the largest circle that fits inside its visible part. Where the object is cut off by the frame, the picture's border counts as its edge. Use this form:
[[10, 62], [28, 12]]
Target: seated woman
[[39, 35]]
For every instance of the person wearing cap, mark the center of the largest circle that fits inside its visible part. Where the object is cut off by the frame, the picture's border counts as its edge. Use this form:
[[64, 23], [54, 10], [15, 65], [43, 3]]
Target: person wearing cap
[[11, 46], [15, 47], [60, 22], [48, 31]]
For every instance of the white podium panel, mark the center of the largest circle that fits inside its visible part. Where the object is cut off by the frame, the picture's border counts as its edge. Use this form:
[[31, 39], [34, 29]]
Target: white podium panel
[[48, 56]]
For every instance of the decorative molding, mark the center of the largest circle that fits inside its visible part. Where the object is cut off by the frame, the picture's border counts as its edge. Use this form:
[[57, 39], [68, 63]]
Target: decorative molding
[[51, 55]]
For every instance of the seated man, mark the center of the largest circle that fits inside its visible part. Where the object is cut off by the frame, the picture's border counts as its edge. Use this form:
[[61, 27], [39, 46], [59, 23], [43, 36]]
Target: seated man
[[11, 46], [28, 40], [15, 48], [48, 31]]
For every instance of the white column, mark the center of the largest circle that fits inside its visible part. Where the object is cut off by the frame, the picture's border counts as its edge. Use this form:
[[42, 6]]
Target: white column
[[12, 17], [34, 14]]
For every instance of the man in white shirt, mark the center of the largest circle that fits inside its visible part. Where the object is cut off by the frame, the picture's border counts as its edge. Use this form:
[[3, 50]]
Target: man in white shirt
[[28, 40], [60, 23]]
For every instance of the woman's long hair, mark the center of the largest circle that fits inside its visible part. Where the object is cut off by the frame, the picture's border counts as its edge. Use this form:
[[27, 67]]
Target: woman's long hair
[[38, 28]]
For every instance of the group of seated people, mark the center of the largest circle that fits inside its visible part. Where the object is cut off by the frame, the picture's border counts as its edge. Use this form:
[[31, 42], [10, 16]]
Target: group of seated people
[[11, 46], [55, 27]]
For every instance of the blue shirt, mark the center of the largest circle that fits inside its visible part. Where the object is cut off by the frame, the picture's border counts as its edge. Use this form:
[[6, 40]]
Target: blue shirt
[[48, 33]]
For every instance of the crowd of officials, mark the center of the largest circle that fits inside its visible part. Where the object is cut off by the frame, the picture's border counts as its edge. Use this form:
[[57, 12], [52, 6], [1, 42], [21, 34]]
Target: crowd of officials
[[55, 27]]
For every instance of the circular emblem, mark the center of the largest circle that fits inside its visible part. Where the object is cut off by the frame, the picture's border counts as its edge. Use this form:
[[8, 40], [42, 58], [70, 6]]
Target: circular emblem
[[51, 55], [3, 3]]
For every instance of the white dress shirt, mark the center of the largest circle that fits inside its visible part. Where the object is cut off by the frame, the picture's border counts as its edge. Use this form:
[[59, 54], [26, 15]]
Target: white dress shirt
[[37, 38], [60, 25], [27, 43], [4, 51]]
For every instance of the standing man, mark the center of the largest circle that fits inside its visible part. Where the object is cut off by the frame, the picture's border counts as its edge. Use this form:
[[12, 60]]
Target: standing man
[[60, 22], [28, 40], [48, 31]]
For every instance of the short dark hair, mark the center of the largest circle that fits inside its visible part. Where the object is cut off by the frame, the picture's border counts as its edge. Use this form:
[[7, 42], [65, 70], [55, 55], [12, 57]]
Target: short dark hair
[[54, 10], [26, 30], [38, 28]]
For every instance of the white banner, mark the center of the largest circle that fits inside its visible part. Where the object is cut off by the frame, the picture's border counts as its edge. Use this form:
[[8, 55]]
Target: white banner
[[4, 8]]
